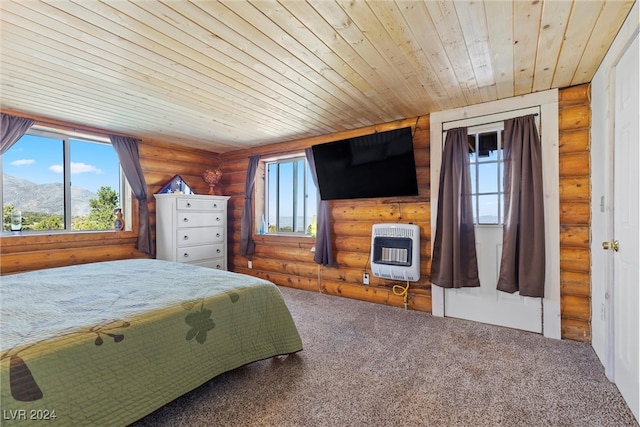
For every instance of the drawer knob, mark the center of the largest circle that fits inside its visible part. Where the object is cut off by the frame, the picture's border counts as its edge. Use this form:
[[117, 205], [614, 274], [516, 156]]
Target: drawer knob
[[186, 237], [185, 219], [188, 204], [218, 251], [218, 266], [186, 255], [217, 234], [215, 205], [217, 218]]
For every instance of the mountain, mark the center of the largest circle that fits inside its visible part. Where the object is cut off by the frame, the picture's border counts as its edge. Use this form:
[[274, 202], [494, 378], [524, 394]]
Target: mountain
[[46, 198]]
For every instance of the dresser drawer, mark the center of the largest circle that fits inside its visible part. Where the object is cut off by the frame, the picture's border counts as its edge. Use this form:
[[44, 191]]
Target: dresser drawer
[[199, 204], [192, 254], [199, 219], [199, 236], [217, 263]]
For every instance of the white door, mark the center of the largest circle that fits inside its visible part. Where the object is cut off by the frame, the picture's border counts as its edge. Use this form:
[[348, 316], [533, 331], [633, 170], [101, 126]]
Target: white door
[[486, 304], [626, 230]]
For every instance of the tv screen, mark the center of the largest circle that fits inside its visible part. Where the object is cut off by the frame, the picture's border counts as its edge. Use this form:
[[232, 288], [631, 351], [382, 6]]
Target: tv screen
[[378, 165]]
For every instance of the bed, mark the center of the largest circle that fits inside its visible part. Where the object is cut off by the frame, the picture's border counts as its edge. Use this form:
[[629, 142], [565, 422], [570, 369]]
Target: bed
[[108, 343]]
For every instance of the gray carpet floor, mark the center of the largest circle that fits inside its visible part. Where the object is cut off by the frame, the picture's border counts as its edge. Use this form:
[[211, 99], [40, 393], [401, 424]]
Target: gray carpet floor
[[369, 364]]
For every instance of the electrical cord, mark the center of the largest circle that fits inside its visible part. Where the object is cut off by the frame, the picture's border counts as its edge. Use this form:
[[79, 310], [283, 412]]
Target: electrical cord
[[402, 291], [367, 262]]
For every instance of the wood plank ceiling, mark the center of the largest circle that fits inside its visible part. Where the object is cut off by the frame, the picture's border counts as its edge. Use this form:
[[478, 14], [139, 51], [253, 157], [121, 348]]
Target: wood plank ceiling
[[227, 75]]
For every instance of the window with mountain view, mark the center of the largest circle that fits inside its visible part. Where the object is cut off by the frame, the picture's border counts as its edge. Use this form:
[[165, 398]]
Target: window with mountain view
[[290, 198], [38, 168]]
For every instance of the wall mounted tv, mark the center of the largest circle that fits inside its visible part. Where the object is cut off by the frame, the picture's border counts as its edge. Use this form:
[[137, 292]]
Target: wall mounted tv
[[378, 165]]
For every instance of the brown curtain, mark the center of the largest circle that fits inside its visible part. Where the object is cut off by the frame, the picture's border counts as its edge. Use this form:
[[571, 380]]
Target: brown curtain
[[324, 250], [127, 150], [247, 245], [454, 263], [522, 266], [12, 130]]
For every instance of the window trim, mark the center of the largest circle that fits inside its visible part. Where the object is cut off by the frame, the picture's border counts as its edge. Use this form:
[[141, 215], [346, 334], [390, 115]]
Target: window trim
[[48, 238], [260, 197]]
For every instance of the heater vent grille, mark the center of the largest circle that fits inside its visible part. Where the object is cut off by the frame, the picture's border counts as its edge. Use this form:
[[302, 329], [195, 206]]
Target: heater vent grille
[[395, 251], [394, 231]]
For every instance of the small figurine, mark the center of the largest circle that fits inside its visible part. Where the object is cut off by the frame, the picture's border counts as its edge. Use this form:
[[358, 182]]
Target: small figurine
[[118, 224]]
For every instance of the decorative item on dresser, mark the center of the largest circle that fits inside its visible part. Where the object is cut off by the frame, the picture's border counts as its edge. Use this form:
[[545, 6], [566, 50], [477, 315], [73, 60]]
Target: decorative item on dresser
[[176, 185], [192, 229], [212, 177]]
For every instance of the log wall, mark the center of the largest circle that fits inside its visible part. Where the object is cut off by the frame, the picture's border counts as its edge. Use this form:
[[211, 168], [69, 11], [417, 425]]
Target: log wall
[[288, 261], [575, 212], [160, 162]]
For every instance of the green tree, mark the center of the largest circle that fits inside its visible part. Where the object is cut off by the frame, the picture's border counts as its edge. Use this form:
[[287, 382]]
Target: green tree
[[6, 216], [49, 222], [101, 216], [41, 221]]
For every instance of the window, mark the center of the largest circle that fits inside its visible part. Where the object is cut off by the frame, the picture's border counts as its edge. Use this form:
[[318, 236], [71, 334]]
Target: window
[[487, 171], [290, 198], [43, 163]]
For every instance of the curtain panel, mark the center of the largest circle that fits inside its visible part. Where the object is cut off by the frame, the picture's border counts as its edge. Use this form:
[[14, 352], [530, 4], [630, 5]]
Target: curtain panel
[[13, 128], [522, 267], [247, 245], [127, 150], [454, 263], [324, 250]]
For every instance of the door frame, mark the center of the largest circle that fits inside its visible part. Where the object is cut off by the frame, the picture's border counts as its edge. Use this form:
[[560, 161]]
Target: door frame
[[546, 104]]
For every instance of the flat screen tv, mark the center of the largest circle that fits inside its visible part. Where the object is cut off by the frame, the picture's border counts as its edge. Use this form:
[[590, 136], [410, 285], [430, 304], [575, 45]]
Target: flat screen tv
[[378, 165]]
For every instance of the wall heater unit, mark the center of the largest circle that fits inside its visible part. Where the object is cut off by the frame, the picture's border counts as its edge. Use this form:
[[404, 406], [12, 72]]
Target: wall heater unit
[[395, 251]]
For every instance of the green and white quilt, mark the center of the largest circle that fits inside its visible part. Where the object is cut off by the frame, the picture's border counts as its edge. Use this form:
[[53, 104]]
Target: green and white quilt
[[108, 343]]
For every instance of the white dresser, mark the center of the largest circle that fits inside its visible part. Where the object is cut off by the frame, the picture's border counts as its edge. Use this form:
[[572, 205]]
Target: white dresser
[[192, 229]]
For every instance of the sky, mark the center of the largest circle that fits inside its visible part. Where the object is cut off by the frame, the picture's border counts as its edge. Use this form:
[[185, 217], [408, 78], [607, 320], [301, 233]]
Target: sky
[[40, 160]]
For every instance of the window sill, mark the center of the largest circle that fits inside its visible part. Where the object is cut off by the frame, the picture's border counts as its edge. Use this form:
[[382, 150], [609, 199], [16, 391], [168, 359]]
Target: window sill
[[284, 239], [37, 237]]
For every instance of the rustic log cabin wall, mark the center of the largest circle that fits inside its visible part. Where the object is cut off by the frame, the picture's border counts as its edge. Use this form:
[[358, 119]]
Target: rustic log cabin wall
[[160, 162], [575, 212], [289, 261]]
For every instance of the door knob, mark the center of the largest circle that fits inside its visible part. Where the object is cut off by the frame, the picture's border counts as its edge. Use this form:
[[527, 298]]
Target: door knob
[[614, 244]]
